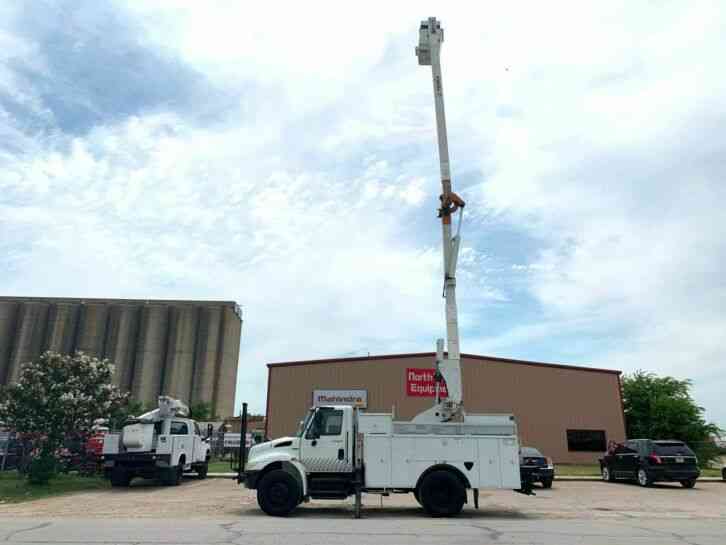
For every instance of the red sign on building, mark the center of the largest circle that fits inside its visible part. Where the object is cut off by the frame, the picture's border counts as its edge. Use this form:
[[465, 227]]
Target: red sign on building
[[420, 383]]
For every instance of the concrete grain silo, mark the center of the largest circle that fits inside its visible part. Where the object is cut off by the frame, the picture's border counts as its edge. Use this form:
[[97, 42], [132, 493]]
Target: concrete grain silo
[[187, 349]]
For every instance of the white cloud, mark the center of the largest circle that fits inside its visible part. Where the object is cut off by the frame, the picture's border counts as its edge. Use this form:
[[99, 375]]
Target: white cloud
[[592, 132]]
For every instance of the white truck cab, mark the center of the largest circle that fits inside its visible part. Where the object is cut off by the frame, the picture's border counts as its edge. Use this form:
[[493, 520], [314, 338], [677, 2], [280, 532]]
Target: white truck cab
[[340, 451], [160, 444]]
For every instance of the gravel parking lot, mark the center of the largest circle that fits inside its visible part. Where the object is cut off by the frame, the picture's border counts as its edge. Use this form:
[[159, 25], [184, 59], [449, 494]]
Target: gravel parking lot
[[224, 499]]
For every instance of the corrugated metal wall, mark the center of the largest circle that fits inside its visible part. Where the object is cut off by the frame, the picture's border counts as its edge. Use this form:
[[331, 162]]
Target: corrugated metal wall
[[186, 349], [546, 399]]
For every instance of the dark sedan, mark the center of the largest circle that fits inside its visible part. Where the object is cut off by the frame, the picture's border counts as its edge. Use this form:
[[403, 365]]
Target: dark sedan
[[536, 468]]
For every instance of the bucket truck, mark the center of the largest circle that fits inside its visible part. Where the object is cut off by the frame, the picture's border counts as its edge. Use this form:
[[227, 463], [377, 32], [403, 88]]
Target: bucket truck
[[161, 444], [341, 451]]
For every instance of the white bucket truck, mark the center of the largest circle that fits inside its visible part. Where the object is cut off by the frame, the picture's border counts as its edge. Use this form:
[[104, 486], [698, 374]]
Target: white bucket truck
[[161, 444], [340, 451]]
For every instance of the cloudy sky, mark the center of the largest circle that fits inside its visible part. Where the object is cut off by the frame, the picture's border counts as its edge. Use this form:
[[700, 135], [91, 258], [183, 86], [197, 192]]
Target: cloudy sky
[[284, 156]]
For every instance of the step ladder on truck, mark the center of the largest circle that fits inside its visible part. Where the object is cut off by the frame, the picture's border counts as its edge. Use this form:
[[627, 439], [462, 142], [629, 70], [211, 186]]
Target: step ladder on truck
[[341, 451]]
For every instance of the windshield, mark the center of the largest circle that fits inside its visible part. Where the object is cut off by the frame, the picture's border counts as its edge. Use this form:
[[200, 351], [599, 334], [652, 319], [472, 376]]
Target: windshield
[[304, 423], [531, 452]]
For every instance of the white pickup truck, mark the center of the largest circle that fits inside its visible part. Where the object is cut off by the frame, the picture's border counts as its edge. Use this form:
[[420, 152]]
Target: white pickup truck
[[341, 451], [160, 444]]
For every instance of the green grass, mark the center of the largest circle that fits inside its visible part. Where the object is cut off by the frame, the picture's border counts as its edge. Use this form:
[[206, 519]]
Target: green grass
[[14, 488], [220, 466], [578, 470], [593, 470]]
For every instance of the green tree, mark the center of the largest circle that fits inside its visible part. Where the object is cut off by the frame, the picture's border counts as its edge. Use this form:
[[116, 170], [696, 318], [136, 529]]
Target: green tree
[[202, 411], [123, 411], [662, 408], [58, 397]]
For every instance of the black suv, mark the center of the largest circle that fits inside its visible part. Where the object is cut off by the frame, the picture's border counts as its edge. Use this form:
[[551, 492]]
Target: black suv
[[534, 467], [649, 461]]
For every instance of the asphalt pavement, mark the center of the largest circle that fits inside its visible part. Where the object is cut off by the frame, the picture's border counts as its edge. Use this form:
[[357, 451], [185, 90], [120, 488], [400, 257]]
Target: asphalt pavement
[[321, 529]]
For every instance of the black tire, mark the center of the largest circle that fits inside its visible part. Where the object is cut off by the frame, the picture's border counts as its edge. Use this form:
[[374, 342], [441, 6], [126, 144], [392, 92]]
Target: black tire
[[643, 478], [607, 475], [172, 476], [690, 483], [119, 477], [278, 493], [418, 498], [203, 469], [442, 494], [546, 483]]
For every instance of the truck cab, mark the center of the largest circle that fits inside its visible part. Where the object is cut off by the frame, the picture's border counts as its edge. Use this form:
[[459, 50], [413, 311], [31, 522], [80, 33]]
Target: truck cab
[[320, 456]]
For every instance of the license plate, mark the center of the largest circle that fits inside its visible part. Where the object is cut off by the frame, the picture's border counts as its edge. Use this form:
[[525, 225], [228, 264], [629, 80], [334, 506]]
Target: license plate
[[679, 459]]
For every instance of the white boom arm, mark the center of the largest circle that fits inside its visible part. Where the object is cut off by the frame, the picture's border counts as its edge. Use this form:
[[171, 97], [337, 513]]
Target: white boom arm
[[448, 369], [168, 406]]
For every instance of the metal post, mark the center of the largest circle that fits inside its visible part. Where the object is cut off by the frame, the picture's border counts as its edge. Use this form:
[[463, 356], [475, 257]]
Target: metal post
[[242, 444]]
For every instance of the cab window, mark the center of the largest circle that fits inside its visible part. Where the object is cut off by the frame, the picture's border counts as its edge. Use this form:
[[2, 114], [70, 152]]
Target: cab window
[[326, 422], [179, 428]]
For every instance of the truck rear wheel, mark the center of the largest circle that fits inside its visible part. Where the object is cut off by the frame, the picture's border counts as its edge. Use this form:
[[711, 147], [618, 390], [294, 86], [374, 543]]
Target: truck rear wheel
[[442, 494], [172, 476], [120, 477], [418, 498], [278, 493], [203, 469]]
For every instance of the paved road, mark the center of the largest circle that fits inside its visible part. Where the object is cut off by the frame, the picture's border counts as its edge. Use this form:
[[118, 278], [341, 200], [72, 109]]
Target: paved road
[[320, 528], [219, 512]]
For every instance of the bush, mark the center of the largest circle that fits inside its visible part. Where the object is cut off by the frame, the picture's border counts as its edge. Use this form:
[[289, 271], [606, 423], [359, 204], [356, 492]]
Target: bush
[[42, 468]]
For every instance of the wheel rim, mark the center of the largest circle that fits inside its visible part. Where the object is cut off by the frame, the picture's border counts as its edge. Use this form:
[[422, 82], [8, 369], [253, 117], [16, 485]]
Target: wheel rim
[[278, 494], [605, 474], [642, 477]]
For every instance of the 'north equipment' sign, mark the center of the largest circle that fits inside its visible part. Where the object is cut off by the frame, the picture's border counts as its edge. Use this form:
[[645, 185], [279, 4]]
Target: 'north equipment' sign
[[420, 383]]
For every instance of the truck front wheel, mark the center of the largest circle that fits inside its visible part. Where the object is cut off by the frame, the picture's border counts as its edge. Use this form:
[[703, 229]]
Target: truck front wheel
[[278, 493], [442, 494]]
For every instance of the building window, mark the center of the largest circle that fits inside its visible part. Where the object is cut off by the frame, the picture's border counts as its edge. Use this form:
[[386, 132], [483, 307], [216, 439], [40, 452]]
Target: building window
[[586, 441]]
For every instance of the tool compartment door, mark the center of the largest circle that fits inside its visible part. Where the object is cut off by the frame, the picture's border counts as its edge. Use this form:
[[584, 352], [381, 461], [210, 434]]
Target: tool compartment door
[[377, 458], [413, 454], [499, 463]]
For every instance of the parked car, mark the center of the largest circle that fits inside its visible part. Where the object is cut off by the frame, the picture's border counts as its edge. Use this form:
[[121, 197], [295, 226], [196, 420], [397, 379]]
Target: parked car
[[536, 468], [648, 461]]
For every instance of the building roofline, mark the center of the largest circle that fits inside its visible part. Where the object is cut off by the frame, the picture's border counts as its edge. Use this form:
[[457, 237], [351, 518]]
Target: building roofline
[[433, 354], [82, 300]]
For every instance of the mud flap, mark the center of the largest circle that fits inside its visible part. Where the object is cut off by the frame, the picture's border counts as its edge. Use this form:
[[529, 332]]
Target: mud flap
[[527, 488]]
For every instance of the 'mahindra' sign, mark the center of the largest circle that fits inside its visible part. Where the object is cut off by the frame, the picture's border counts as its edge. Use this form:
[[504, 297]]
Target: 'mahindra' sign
[[356, 398]]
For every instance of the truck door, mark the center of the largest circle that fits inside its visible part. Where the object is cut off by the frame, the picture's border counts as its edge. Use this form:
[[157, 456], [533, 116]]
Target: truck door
[[199, 445], [327, 444], [181, 441]]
